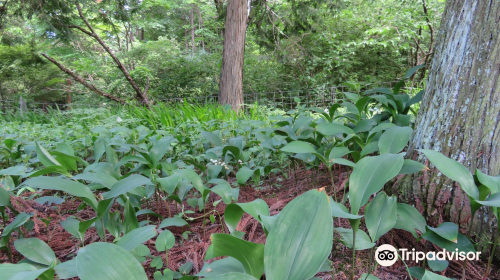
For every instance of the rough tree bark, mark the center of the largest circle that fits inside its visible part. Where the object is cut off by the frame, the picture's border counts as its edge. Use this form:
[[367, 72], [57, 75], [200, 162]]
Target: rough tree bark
[[231, 78], [460, 113]]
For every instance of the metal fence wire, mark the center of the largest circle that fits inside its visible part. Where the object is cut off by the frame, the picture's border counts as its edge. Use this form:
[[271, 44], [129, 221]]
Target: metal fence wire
[[322, 97]]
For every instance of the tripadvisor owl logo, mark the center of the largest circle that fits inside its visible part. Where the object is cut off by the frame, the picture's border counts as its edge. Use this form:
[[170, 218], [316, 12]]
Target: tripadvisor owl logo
[[387, 255]]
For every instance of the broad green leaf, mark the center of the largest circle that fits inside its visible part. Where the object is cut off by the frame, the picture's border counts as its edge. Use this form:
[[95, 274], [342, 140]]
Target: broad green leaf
[[7, 270], [463, 244], [191, 176], [380, 215], [364, 125], [433, 276], [370, 148], [212, 137], [437, 265], [4, 197], [69, 162], [330, 129], [20, 219], [165, 241], [69, 186], [106, 261], [159, 149], [412, 71], [44, 156], [340, 211], [220, 267], [411, 166], [365, 276], [174, 221], [301, 239], [394, 139], [298, 147], [99, 148], [136, 237], [410, 219], [493, 200], [130, 158], [35, 250], [243, 174], [126, 185], [101, 178], [380, 127], [231, 276], [338, 152], [453, 170], [417, 272], [446, 230], [71, 225], [29, 275], [67, 269], [492, 182], [369, 176], [225, 191], [234, 212], [363, 241], [51, 170], [169, 183], [251, 255]]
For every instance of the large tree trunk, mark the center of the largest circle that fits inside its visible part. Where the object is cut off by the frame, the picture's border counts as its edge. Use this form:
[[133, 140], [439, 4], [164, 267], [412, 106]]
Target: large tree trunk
[[231, 76], [460, 112]]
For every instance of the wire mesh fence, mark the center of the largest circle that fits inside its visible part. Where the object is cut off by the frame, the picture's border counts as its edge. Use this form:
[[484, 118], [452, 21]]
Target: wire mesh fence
[[321, 97]]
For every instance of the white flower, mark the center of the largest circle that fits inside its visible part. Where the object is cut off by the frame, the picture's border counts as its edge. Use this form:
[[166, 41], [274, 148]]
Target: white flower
[[119, 119]]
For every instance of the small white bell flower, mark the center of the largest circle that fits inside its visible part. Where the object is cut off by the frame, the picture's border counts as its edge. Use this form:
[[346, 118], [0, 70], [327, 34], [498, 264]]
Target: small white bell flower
[[119, 119]]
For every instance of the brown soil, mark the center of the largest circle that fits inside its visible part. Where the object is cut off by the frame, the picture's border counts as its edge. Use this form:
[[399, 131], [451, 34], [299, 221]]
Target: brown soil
[[193, 249]]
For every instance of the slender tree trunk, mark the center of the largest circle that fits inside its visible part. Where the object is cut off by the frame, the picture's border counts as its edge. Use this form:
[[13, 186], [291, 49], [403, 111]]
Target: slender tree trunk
[[200, 26], [193, 46], [460, 113], [68, 94], [231, 80]]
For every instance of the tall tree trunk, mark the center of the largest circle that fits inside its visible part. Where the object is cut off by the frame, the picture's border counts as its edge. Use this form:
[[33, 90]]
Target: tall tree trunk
[[193, 47], [460, 113], [231, 77], [200, 26]]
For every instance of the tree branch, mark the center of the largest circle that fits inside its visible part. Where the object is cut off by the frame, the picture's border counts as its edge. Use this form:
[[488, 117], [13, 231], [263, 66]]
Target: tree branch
[[81, 29], [139, 94], [83, 82]]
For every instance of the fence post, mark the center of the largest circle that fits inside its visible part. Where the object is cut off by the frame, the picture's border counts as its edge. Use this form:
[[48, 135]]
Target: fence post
[[22, 106]]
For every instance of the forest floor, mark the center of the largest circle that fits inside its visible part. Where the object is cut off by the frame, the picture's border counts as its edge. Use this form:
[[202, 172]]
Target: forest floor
[[193, 249]]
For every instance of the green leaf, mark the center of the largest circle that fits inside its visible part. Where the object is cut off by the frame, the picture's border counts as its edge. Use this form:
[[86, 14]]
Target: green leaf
[[417, 272], [159, 149], [410, 219], [330, 129], [370, 148], [45, 158], [136, 237], [364, 125], [220, 267], [18, 221], [106, 261], [71, 225], [7, 270], [411, 166], [380, 127], [69, 162], [169, 183], [126, 185], [212, 137], [492, 182], [231, 276], [50, 170], [340, 211], [251, 255], [369, 176], [493, 200], [243, 174], [380, 215], [67, 269], [174, 221], [30, 275], [165, 241], [4, 197], [394, 139], [433, 276], [298, 147], [234, 212], [447, 230], [437, 265], [301, 239], [101, 178], [186, 268], [191, 176], [363, 241], [99, 148], [453, 170], [224, 190], [157, 263], [69, 186], [412, 71], [35, 250], [365, 276], [463, 244]]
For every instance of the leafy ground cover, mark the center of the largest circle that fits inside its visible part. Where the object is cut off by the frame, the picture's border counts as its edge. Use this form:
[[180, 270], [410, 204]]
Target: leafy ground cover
[[203, 193]]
